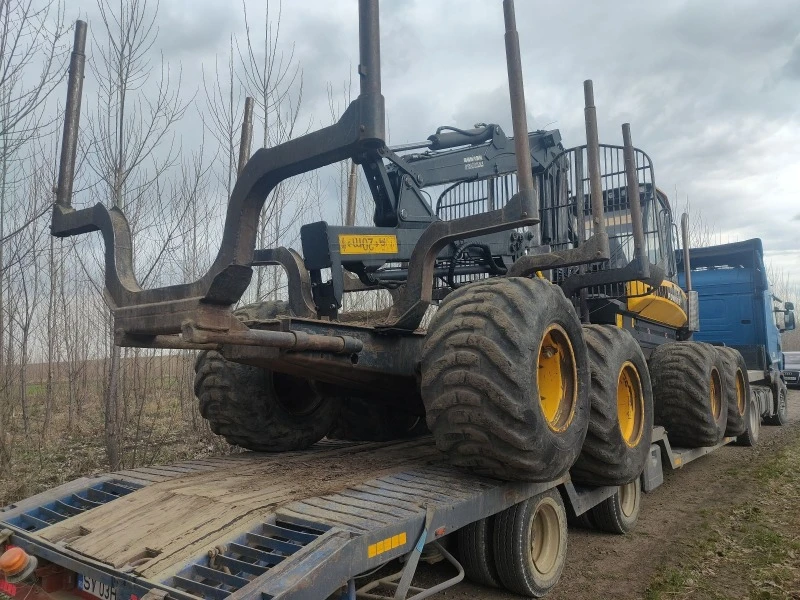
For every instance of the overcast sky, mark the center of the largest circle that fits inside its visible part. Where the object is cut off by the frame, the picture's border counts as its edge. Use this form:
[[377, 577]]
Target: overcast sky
[[711, 88]]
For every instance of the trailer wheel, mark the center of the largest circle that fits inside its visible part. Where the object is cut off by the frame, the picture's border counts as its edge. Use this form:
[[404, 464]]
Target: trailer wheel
[[619, 513], [621, 418], [360, 420], [737, 390], [752, 425], [530, 544], [476, 552], [505, 379], [688, 392], [781, 416]]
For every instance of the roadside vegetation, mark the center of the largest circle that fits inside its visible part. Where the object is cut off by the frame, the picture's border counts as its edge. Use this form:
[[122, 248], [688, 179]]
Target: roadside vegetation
[[65, 439], [748, 551]]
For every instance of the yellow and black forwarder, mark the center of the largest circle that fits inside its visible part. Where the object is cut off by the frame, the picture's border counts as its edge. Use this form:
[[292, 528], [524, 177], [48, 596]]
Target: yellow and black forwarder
[[561, 334]]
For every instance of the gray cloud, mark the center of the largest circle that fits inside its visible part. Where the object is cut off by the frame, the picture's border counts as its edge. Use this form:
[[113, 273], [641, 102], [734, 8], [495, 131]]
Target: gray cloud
[[710, 88], [792, 67]]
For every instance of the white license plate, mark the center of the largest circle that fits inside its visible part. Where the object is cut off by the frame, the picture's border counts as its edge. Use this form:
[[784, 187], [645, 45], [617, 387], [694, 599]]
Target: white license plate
[[98, 589]]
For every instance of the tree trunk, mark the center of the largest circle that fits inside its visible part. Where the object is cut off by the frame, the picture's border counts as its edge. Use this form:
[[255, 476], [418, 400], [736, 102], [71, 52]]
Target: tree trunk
[[112, 410]]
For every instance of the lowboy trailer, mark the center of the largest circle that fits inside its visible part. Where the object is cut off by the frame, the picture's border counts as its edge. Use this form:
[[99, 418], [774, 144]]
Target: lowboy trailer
[[305, 525]]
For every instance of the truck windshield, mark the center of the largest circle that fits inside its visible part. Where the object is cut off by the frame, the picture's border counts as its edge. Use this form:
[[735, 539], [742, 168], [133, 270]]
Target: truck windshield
[[791, 360]]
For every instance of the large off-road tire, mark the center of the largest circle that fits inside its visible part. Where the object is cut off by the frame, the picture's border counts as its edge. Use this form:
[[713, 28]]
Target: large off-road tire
[[781, 416], [361, 420], [619, 513], [736, 385], [256, 408], [505, 379], [476, 552], [260, 410], [688, 393], [530, 544], [621, 418], [752, 426]]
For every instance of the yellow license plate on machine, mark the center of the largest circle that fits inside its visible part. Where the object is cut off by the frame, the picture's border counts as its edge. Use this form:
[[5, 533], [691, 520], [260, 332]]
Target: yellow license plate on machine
[[367, 244]]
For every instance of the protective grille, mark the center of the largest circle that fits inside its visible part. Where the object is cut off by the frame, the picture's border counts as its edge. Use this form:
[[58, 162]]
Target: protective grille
[[464, 199], [475, 197], [566, 187], [563, 188]]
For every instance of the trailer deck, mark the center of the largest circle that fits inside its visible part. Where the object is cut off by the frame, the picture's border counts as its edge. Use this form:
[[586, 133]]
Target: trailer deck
[[299, 525], [257, 526]]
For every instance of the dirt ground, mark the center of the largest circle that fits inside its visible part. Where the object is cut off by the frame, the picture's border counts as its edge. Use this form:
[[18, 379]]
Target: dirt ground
[[623, 567]]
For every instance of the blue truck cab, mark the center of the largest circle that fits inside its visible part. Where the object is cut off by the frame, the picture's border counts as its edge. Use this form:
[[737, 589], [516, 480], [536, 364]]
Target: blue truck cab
[[738, 309]]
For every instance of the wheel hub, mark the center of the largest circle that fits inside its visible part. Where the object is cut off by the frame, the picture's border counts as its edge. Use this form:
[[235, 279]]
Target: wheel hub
[[557, 378], [628, 497], [630, 404], [545, 539], [740, 395], [716, 394]]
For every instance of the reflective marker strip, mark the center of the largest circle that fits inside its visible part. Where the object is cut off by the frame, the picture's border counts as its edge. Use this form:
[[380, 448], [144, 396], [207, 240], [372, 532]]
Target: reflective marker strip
[[389, 543]]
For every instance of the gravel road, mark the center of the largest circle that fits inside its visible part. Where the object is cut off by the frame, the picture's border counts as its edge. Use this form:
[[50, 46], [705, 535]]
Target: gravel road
[[606, 566]]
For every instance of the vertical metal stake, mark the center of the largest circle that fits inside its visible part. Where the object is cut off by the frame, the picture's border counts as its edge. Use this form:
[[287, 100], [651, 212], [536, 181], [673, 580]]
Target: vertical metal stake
[[352, 183], [72, 116], [687, 265], [580, 200], [633, 195], [593, 158], [373, 112], [247, 135], [527, 187]]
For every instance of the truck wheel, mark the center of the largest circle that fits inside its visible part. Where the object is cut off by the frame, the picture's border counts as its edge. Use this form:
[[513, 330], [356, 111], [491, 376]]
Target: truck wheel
[[619, 513], [736, 385], [688, 393], [752, 425], [476, 552], [360, 420], [781, 416], [621, 418], [505, 379], [530, 544]]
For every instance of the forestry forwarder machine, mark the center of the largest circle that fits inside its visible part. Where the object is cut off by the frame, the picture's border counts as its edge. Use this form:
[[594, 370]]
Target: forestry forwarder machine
[[561, 333]]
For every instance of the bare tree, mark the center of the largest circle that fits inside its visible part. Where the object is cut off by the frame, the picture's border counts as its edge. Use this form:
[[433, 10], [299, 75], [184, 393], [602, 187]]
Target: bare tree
[[133, 141], [273, 78], [224, 100], [31, 66]]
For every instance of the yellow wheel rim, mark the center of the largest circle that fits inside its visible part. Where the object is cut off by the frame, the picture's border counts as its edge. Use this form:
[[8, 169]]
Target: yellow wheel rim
[[629, 497], [630, 404], [740, 395], [557, 378], [716, 394], [545, 539]]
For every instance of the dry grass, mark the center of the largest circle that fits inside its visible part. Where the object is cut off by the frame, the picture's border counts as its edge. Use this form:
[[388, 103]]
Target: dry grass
[[752, 551], [161, 425]]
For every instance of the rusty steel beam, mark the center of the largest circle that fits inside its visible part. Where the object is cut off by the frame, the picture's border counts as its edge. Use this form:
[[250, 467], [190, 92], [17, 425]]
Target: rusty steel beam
[[593, 158], [286, 340], [247, 135], [525, 182], [72, 116], [633, 195], [687, 265]]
